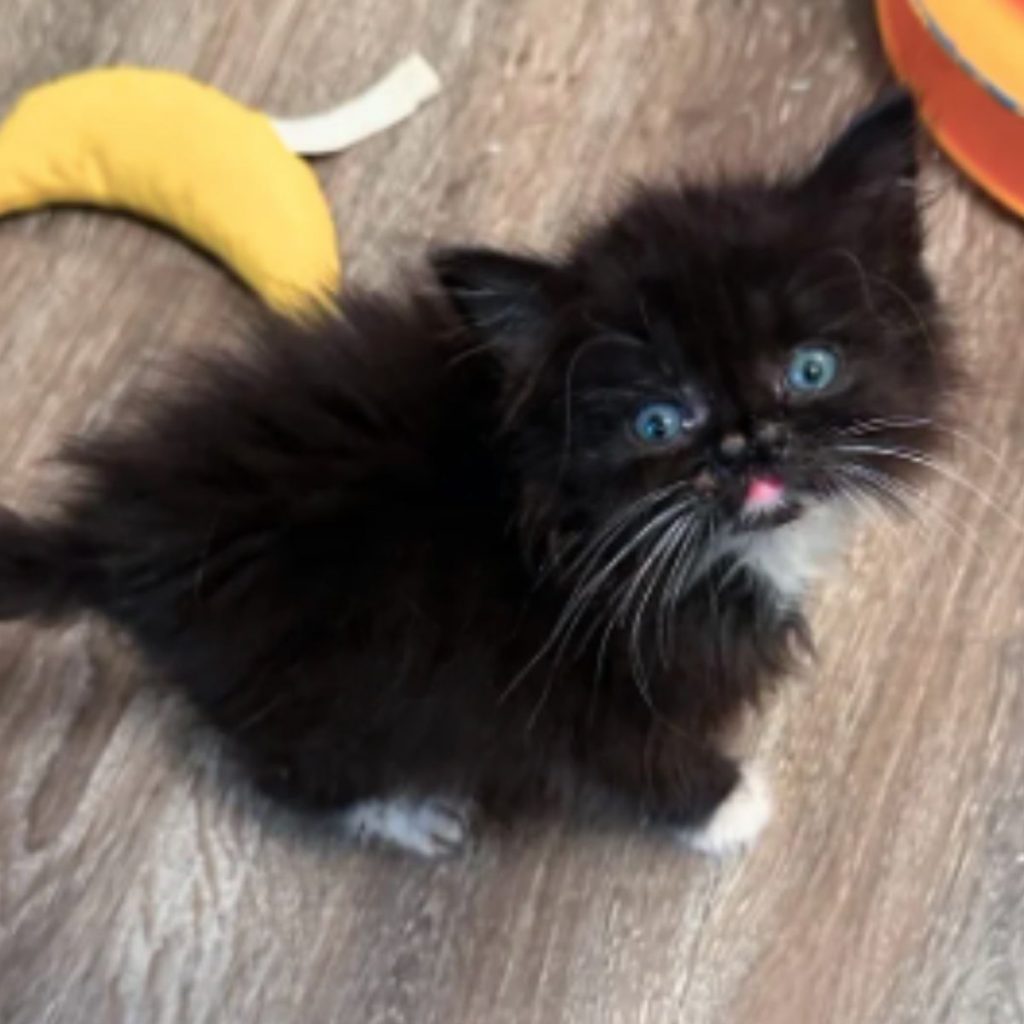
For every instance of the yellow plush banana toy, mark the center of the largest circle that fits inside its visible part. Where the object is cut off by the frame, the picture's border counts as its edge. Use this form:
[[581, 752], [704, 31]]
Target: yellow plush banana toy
[[165, 147]]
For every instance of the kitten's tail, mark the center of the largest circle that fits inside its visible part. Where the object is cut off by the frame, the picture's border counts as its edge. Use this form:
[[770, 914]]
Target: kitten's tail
[[36, 579]]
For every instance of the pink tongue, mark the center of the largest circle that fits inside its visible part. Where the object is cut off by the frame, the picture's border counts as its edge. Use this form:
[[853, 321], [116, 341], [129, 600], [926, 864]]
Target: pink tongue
[[763, 490]]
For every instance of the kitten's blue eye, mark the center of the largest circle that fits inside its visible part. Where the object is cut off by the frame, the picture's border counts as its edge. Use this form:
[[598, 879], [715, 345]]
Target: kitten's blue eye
[[811, 369], [661, 422]]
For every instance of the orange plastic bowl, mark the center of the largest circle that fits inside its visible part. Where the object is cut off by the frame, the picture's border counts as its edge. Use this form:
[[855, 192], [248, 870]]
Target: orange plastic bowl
[[964, 61]]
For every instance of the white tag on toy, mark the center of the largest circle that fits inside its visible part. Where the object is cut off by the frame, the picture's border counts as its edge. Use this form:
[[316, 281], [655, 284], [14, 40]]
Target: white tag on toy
[[395, 97]]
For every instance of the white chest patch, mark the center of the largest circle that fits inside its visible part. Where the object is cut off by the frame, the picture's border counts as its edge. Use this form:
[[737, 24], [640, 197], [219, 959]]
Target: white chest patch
[[791, 557]]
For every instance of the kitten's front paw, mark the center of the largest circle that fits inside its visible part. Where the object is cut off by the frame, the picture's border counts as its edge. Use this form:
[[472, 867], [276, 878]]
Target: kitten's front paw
[[430, 826], [737, 821]]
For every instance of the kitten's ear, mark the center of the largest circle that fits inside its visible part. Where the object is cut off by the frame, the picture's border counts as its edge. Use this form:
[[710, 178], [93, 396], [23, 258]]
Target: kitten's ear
[[872, 165], [505, 299]]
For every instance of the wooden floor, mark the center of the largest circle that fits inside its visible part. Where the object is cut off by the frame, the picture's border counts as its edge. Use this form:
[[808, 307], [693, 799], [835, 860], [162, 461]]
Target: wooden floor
[[137, 885]]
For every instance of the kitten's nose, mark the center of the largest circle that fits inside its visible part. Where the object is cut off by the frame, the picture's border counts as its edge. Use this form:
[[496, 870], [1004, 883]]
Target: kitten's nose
[[770, 436], [732, 446]]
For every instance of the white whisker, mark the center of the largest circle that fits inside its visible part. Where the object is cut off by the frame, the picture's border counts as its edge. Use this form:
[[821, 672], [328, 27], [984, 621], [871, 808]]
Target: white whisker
[[869, 426], [663, 554], [679, 576], [919, 458], [909, 500], [591, 582]]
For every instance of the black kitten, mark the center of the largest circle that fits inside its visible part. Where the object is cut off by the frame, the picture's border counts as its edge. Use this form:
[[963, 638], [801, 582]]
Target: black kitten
[[543, 534]]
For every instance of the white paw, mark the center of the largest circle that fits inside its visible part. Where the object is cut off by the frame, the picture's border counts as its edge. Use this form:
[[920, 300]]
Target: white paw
[[737, 821], [430, 827]]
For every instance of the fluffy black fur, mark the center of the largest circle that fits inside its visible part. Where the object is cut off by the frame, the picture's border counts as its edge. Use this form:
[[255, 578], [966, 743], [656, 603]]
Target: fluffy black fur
[[419, 548]]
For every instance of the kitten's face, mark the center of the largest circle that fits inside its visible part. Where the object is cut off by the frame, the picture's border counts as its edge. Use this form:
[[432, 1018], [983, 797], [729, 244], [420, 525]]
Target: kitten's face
[[717, 362]]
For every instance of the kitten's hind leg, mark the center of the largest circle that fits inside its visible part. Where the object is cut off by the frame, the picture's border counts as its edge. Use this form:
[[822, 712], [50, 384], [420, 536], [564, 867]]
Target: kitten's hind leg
[[428, 826]]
